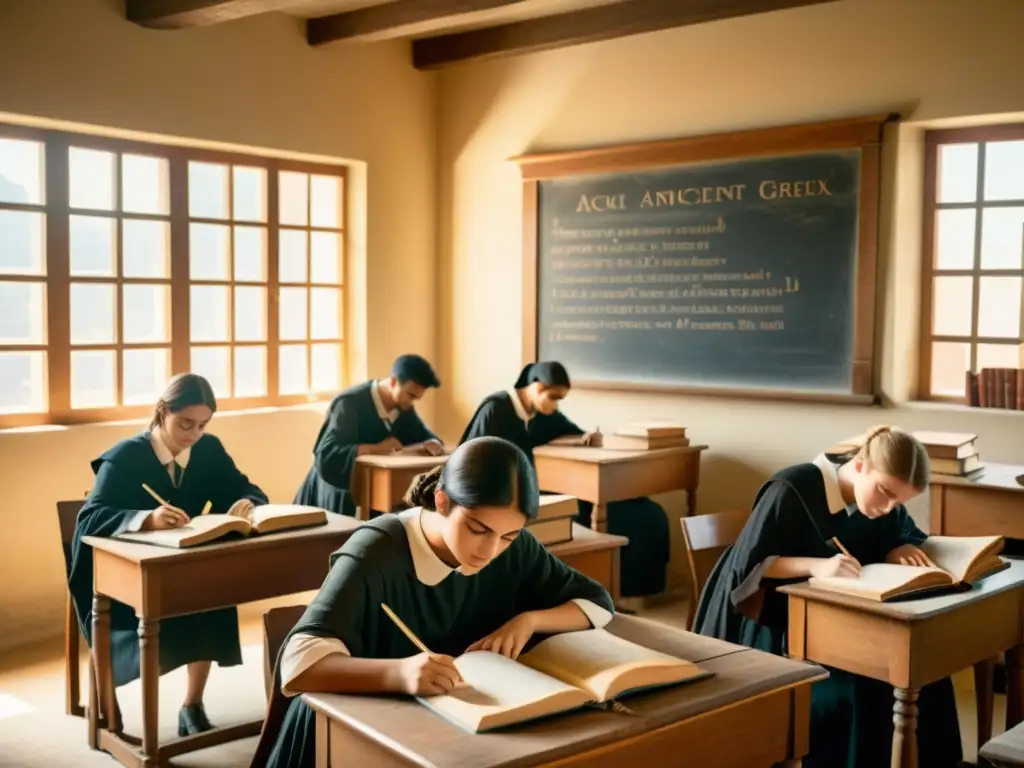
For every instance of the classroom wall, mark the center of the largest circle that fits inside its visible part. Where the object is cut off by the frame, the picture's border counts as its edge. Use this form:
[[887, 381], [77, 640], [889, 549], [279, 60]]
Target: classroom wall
[[931, 60], [253, 82]]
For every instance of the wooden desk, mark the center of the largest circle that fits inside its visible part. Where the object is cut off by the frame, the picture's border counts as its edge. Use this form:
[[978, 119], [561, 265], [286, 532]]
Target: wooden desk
[[593, 554], [380, 482], [160, 582], [914, 643], [989, 503], [602, 476], [754, 712]]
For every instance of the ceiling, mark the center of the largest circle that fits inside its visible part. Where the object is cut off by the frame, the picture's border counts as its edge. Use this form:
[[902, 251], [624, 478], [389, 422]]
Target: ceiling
[[447, 32]]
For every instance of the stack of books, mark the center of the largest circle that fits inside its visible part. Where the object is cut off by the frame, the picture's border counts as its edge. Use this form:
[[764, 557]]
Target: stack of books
[[647, 436], [952, 453], [554, 519], [996, 388]]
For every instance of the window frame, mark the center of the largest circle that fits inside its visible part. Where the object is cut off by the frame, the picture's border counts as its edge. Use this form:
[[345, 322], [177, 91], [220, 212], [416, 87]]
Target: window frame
[[933, 141], [57, 279]]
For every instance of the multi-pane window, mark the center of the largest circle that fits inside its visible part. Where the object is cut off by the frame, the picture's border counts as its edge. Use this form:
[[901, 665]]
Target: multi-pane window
[[122, 263], [973, 256]]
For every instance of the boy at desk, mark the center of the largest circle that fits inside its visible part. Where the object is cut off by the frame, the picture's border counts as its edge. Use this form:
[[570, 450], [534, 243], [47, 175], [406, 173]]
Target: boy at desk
[[375, 417], [178, 461], [458, 569], [857, 498], [528, 416]]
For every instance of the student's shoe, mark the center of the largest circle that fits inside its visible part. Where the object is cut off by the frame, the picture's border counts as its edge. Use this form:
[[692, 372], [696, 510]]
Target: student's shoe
[[192, 719]]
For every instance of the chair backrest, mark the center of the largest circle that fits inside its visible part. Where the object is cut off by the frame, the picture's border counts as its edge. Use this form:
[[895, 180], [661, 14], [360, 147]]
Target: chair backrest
[[707, 537], [277, 623], [67, 516]]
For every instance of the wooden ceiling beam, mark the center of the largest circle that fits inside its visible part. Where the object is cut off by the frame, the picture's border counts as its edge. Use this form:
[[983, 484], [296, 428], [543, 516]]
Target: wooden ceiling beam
[[393, 17], [177, 14], [590, 25]]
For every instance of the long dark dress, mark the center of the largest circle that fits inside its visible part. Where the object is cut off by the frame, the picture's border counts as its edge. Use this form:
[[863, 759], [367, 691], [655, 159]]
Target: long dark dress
[[376, 566], [642, 520], [116, 497], [851, 715], [352, 420]]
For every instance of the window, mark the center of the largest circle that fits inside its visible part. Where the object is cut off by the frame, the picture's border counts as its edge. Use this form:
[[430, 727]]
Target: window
[[973, 273], [122, 263]]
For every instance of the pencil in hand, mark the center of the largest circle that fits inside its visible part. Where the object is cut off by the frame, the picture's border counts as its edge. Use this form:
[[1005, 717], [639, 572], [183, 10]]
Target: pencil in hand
[[840, 547], [411, 635]]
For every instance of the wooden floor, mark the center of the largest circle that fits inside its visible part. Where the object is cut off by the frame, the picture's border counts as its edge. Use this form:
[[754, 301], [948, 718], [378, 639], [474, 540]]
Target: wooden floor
[[34, 732]]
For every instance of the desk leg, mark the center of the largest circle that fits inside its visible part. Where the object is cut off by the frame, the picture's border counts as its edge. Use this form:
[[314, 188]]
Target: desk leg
[[149, 672], [108, 715], [1014, 686], [983, 673], [691, 502], [365, 494], [904, 737], [599, 518]]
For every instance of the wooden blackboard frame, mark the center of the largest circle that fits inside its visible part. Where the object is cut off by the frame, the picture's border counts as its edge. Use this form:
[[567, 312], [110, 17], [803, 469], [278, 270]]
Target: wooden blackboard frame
[[863, 133]]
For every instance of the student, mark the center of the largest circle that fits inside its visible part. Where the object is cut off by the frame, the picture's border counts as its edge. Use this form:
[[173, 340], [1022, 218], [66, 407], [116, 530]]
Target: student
[[458, 569], [375, 417], [186, 467], [528, 416], [858, 498]]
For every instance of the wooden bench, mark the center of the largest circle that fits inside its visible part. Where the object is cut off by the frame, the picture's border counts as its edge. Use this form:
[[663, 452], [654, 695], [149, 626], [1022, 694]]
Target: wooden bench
[[1006, 749]]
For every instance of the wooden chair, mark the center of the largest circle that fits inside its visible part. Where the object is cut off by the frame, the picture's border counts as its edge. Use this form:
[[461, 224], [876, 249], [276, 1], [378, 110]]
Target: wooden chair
[[277, 623], [707, 537], [67, 514]]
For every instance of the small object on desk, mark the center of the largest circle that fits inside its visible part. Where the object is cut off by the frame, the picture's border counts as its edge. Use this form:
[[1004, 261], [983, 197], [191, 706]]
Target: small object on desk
[[265, 518], [962, 561], [568, 671]]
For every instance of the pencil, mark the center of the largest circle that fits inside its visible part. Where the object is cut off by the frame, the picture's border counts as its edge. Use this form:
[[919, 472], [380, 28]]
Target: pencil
[[155, 495], [405, 630], [206, 507], [842, 549]]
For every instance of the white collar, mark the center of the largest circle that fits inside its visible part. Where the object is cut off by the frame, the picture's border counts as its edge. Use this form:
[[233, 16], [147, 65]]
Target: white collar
[[163, 453], [517, 404], [430, 569], [829, 473], [386, 415]]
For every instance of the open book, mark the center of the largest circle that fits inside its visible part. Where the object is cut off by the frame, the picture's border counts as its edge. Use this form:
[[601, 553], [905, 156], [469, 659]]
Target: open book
[[563, 672], [961, 560], [265, 518]]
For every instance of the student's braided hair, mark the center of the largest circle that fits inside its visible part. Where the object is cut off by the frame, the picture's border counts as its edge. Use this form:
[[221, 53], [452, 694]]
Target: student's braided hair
[[896, 453], [482, 472]]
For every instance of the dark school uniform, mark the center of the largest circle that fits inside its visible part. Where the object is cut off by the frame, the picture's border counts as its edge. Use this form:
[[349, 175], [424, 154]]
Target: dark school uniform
[[118, 503], [388, 560], [355, 417], [642, 520], [796, 514]]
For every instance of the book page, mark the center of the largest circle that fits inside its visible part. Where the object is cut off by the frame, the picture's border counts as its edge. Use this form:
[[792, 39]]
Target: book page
[[499, 691], [199, 530], [956, 554], [275, 517], [605, 665], [880, 580]]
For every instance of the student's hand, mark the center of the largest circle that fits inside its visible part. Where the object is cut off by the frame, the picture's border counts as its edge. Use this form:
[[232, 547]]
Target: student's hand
[[164, 517], [428, 674], [595, 439], [908, 554], [433, 447], [837, 565], [389, 445], [509, 638]]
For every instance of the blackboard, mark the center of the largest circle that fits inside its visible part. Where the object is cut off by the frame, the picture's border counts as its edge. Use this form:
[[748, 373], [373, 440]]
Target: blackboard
[[736, 275]]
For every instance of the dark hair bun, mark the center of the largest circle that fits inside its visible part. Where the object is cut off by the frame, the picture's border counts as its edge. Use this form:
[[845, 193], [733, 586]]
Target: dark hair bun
[[421, 491]]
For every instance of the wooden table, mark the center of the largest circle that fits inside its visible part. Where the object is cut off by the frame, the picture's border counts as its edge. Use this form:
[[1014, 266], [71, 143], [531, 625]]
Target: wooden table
[[380, 482], [911, 644], [160, 582], [988, 503], [754, 712], [602, 476], [594, 554]]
